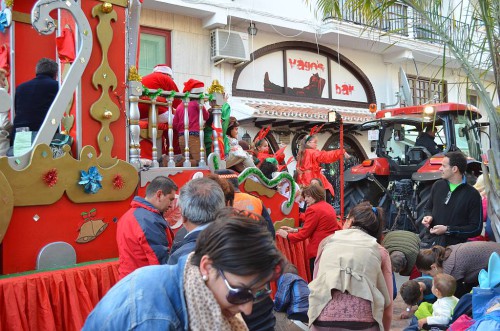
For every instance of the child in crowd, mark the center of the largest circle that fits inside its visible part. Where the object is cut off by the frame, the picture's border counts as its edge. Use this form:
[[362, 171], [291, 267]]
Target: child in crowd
[[269, 167], [236, 155], [416, 291], [444, 287], [292, 295]]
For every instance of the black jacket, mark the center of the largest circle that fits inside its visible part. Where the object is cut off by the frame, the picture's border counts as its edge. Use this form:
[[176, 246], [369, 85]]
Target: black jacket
[[425, 140], [462, 213], [32, 102]]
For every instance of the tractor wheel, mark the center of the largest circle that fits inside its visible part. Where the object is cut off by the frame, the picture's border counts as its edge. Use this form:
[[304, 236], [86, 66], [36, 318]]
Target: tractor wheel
[[362, 190]]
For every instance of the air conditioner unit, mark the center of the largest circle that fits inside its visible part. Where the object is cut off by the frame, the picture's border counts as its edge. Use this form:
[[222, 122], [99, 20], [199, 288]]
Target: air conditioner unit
[[229, 45]]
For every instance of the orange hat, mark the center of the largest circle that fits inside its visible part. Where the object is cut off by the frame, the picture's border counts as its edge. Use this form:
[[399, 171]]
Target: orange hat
[[164, 69], [193, 86]]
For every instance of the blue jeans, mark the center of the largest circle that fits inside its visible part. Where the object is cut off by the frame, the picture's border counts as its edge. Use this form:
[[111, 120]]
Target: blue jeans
[[413, 326]]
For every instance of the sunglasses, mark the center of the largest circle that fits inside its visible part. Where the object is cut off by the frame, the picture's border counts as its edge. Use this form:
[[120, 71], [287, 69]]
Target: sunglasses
[[241, 295]]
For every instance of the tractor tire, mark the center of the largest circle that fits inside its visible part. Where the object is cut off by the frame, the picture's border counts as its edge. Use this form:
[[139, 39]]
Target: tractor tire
[[359, 191]]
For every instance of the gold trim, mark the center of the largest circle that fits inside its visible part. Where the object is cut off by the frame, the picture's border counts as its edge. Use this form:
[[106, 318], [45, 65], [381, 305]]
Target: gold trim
[[106, 78], [121, 3], [17, 16]]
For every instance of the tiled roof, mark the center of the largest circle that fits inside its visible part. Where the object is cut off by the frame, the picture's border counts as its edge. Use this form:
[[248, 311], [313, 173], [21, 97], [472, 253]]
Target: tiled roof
[[283, 110]]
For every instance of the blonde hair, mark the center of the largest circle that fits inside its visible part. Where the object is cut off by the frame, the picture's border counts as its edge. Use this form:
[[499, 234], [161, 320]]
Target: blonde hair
[[446, 284], [480, 185]]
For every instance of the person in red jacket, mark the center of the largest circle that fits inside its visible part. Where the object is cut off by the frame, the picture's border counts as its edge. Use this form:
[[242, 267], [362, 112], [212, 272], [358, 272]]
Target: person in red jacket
[[143, 236], [310, 157], [320, 222]]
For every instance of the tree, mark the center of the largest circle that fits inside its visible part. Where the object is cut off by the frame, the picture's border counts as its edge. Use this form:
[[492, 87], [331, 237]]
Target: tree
[[477, 49]]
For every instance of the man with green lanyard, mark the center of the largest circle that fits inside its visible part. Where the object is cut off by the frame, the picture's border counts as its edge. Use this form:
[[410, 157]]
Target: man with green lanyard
[[453, 212]]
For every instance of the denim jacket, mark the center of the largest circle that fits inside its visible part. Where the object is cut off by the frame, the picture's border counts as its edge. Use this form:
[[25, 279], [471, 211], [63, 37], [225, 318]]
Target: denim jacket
[[151, 298]]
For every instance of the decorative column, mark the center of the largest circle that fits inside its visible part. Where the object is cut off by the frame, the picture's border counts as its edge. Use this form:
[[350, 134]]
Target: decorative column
[[187, 161], [135, 90], [202, 162]]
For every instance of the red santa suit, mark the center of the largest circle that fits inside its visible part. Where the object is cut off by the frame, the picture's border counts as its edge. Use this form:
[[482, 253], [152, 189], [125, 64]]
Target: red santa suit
[[161, 78]]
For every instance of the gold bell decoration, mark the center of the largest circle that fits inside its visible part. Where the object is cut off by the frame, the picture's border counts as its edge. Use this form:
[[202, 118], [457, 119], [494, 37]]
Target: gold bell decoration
[[106, 7], [218, 92], [91, 228], [107, 114]]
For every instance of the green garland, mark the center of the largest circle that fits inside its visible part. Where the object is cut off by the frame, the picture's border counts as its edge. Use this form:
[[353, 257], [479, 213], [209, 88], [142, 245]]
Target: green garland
[[146, 92], [270, 183], [216, 162]]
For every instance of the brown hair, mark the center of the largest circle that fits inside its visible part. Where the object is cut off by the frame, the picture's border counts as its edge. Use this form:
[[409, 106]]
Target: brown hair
[[427, 257], [368, 218], [446, 284], [314, 191], [226, 187], [410, 292], [320, 183], [233, 122]]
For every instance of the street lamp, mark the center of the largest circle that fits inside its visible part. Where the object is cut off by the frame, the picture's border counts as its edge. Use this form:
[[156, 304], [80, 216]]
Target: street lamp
[[252, 29], [334, 116], [246, 137]]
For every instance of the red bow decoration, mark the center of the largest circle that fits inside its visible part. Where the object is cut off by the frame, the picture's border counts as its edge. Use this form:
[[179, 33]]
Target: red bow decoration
[[5, 57], [315, 129], [279, 152], [283, 166], [66, 46], [262, 133]]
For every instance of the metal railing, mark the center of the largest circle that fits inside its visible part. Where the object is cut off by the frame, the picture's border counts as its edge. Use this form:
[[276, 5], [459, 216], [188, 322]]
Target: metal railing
[[398, 18], [152, 127], [456, 30]]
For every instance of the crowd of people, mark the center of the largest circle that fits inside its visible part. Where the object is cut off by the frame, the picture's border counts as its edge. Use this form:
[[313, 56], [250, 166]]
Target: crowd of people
[[216, 272]]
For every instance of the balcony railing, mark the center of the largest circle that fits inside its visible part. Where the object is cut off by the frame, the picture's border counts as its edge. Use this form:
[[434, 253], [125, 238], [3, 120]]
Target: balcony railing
[[456, 30], [397, 20]]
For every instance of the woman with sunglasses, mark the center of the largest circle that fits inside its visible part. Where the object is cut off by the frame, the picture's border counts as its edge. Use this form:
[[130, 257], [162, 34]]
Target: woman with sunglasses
[[234, 259], [352, 286]]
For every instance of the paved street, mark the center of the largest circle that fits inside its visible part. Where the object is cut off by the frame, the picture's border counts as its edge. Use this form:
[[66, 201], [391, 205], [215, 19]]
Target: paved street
[[399, 307]]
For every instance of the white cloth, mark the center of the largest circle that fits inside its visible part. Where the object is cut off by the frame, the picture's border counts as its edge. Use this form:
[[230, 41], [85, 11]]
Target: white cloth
[[442, 310], [236, 149]]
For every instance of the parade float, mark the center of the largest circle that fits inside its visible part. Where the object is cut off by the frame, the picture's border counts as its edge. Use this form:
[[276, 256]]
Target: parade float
[[60, 201]]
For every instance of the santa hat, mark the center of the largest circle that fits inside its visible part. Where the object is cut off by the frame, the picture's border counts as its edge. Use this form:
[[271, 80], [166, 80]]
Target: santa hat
[[193, 86], [164, 69]]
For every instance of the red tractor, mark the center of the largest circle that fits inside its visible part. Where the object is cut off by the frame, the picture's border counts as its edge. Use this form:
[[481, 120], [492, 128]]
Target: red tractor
[[399, 179]]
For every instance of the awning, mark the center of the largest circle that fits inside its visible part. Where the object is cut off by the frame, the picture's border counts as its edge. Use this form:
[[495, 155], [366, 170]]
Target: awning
[[293, 114]]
